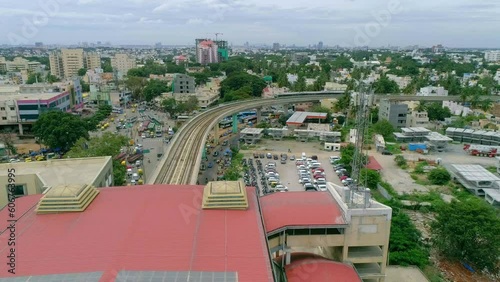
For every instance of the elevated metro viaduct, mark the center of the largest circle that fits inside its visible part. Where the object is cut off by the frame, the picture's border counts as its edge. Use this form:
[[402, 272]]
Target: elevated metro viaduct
[[218, 113]]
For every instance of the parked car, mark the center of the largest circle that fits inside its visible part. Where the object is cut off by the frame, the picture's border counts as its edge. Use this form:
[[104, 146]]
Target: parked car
[[292, 158], [269, 155], [255, 155], [283, 161], [322, 187], [386, 152], [262, 155], [276, 157], [310, 187], [281, 188]]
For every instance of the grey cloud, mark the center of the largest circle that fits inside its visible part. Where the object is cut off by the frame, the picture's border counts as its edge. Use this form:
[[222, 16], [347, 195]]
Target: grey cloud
[[285, 21]]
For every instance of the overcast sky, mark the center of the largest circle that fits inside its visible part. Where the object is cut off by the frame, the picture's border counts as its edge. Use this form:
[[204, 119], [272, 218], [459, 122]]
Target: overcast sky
[[453, 23]]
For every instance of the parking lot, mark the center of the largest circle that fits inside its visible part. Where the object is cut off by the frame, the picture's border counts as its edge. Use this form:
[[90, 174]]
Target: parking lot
[[288, 173]]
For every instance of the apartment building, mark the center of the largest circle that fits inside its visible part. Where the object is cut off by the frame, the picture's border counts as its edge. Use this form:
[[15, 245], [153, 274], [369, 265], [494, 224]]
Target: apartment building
[[123, 63], [18, 64], [66, 62], [492, 56], [418, 119], [183, 83], [206, 52], [395, 113], [401, 81]]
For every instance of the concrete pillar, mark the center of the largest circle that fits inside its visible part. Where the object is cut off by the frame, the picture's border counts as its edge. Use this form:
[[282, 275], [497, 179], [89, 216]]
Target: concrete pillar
[[216, 134], [259, 115], [235, 123], [21, 132]]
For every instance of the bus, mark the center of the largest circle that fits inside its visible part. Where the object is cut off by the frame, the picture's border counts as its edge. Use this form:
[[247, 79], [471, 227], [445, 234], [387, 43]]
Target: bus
[[151, 127], [117, 110], [225, 123], [183, 117], [132, 119], [252, 119], [159, 131]]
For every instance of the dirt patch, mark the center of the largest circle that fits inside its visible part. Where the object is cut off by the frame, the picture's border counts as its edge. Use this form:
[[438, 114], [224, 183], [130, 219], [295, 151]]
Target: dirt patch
[[24, 148], [456, 272]]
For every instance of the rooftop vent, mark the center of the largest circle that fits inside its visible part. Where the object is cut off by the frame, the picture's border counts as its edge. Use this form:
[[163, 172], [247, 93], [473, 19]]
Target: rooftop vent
[[228, 195], [67, 198]]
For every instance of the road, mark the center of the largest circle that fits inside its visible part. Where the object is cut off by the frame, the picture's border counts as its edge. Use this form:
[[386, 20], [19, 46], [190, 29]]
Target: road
[[210, 174]]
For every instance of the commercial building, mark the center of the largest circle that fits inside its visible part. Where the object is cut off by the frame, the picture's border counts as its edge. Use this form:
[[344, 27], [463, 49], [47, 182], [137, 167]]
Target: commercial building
[[24, 109], [123, 63], [66, 62], [301, 119], [394, 112], [19, 64], [482, 137], [34, 178], [183, 83], [221, 232]]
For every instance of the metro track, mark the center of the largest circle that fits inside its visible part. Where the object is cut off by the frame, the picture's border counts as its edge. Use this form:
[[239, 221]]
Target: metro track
[[182, 160]]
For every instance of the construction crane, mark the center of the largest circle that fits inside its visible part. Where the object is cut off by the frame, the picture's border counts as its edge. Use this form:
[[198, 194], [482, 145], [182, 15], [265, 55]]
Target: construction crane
[[217, 35]]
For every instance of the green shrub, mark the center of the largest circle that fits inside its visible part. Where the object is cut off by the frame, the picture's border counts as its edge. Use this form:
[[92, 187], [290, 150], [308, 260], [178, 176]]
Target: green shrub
[[439, 176]]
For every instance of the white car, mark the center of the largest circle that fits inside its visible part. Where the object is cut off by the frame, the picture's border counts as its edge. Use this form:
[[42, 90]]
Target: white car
[[302, 171], [347, 181], [281, 188], [14, 161], [322, 187], [320, 181], [304, 180]]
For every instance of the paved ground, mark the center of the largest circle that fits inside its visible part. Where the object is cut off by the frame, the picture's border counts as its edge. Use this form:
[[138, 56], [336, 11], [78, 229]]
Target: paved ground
[[401, 180], [406, 274], [288, 171], [210, 174]]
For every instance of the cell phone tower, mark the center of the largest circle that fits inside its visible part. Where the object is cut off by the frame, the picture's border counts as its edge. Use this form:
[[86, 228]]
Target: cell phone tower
[[359, 159]]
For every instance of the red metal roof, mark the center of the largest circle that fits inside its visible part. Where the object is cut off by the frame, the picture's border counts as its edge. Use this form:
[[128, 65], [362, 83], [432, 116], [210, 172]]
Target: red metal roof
[[300, 209], [149, 228], [373, 164], [306, 267]]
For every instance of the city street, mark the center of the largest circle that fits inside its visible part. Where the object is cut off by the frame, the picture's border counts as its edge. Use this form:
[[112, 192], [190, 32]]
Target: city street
[[211, 173]]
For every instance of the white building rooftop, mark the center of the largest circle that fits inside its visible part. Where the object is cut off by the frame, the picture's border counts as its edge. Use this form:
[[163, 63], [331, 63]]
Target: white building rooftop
[[252, 130], [300, 117], [475, 173]]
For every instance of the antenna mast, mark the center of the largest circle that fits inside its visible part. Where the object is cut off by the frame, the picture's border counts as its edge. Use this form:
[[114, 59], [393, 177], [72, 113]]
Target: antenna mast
[[359, 158], [217, 36]]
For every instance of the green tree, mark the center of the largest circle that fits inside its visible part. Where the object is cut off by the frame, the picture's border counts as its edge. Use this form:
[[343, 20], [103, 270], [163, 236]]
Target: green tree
[[241, 85], [34, 77], [191, 104], [400, 160], [300, 84], [154, 88], [170, 106], [439, 176], [201, 78], [82, 72], [136, 84], [468, 231], [369, 177], [108, 144], [59, 129], [385, 86], [384, 128], [106, 65], [85, 86], [435, 111], [405, 245], [51, 78]]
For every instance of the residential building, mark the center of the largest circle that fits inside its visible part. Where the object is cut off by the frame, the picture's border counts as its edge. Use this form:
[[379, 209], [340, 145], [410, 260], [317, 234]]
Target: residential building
[[66, 62], [395, 113], [402, 81], [122, 63], [183, 83], [433, 91], [338, 233], [418, 119], [34, 178], [492, 56], [334, 86], [92, 60], [181, 60], [19, 64], [206, 52]]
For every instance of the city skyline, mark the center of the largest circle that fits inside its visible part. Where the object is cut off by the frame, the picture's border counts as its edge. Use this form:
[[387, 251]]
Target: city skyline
[[349, 23]]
